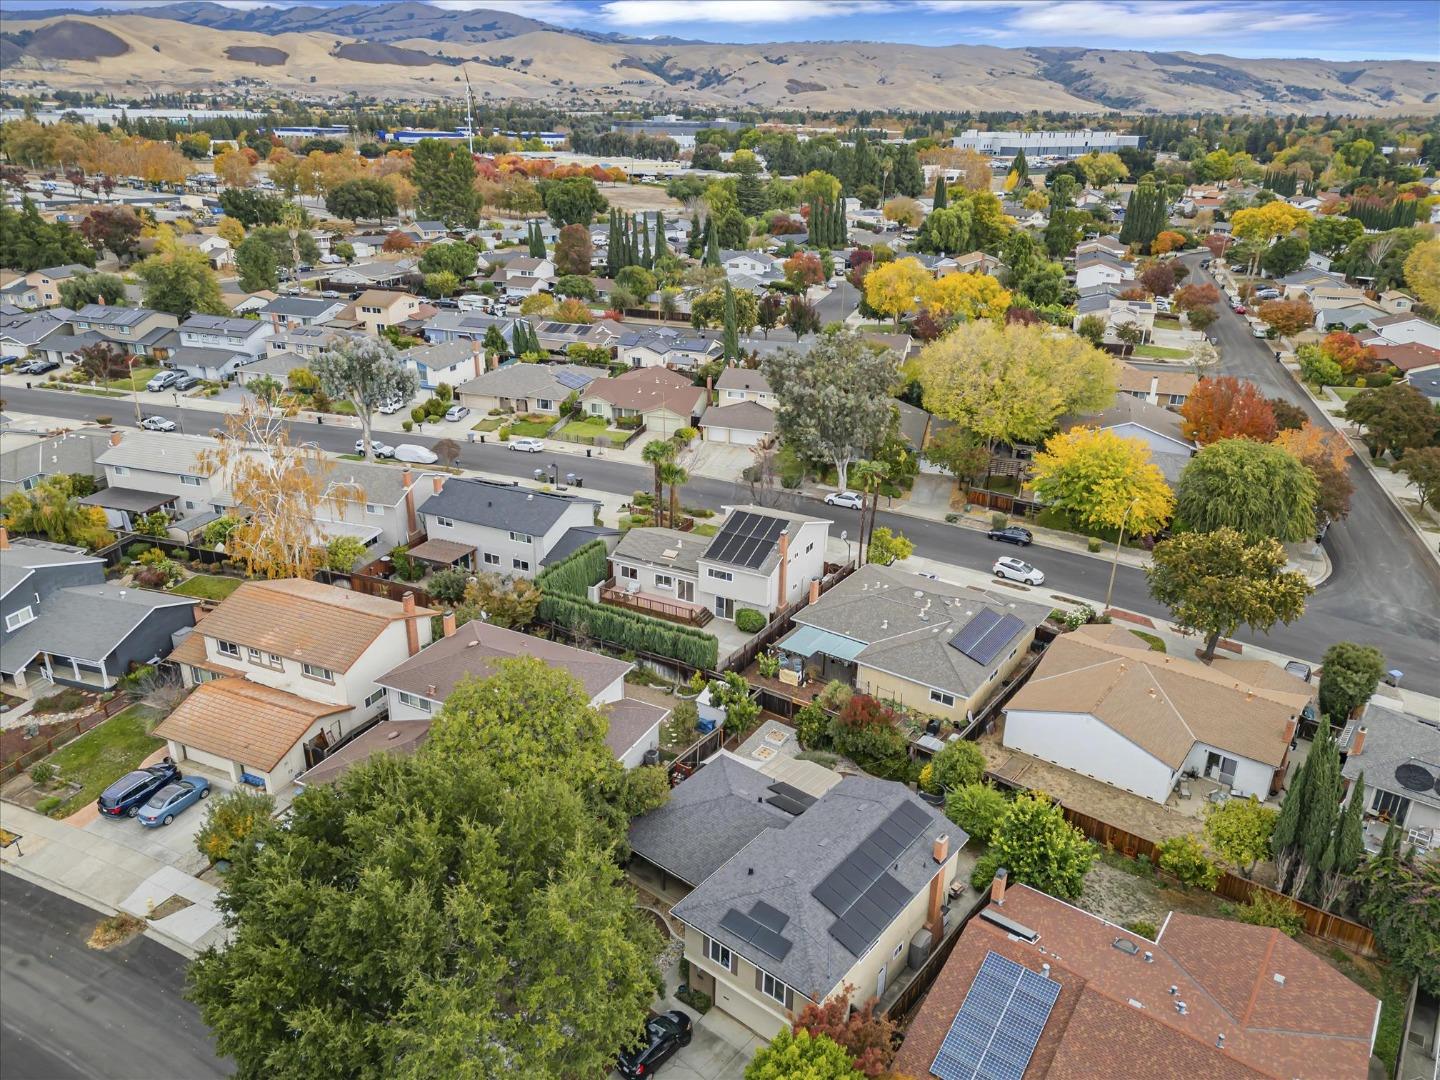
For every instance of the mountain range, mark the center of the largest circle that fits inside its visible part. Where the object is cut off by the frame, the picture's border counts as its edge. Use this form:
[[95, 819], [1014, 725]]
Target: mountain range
[[413, 50]]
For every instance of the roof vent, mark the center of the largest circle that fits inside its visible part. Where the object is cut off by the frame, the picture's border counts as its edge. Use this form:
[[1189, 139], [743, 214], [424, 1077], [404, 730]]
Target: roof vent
[[918, 594], [1125, 945], [1182, 1008], [1279, 978], [1135, 1004], [1174, 990], [1149, 957], [1220, 1041], [1045, 970], [471, 644]]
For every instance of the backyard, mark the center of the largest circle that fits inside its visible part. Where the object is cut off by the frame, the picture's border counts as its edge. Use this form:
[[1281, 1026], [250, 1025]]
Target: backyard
[[102, 756], [207, 587]]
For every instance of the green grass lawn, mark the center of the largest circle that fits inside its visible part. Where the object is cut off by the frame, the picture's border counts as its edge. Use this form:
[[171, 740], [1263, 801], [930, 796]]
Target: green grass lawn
[[1156, 645], [1167, 322], [101, 756], [492, 423], [1160, 352], [587, 429], [1345, 393], [140, 376], [207, 587], [531, 428]]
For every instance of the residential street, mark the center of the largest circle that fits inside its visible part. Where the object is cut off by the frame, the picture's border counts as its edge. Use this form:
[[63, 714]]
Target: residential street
[[67, 1010]]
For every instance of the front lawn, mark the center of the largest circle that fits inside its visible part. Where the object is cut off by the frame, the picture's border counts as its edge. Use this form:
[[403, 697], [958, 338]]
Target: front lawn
[[1167, 322], [588, 431], [1160, 352], [103, 755], [492, 423], [532, 428], [207, 587], [1345, 393], [140, 376]]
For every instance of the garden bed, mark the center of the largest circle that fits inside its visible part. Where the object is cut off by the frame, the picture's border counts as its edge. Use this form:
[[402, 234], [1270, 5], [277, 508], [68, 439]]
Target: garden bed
[[103, 755]]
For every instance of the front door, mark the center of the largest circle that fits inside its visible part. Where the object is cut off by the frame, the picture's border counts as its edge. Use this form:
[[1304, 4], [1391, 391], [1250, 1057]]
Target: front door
[[724, 607], [685, 590]]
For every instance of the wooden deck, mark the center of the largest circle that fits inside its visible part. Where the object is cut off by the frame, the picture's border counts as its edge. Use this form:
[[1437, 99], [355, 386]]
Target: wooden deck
[[672, 610]]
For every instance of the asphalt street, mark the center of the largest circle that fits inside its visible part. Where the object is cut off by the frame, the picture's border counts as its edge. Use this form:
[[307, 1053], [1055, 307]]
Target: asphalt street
[[67, 1010]]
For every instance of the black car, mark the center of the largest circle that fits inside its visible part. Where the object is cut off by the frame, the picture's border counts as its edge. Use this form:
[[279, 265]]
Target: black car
[[38, 367], [664, 1034], [125, 796], [185, 382], [1012, 534]]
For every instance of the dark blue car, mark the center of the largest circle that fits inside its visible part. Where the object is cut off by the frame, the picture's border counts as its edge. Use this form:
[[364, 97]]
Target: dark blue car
[[125, 796]]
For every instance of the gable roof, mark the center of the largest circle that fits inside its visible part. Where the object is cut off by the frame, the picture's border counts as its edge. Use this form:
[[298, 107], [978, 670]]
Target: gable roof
[[649, 545], [1411, 356], [87, 622], [1393, 739], [648, 389], [1164, 380], [1126, 409], [1163, 704], [221, 324], [167, 452], [751, 380], [500, 506], [304, 620], [553, 381], [749, 537], [740, 415], [243, 721]]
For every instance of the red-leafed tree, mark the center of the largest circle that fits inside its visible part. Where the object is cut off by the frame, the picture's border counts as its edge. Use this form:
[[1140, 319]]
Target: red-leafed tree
[[1198, 295], [860, 262], [1288, 316], [1158, 278], [1217, 244], [1227, 408], [1345, 349], [865, 1034], [398, 241], [862, 710], [804, 269], [573, 250], [1135, 292]]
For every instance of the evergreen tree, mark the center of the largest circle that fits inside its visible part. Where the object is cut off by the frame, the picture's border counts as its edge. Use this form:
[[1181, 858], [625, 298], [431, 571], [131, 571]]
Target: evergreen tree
[[908, 178], [1321, 809], [647, 258], [866, 169], [1343, 852], [662, 245], [731, 339], [695, 245], [1287, 825], [1145, 215], [942, 197], [612, 246], [1021, 168], [712, 244]]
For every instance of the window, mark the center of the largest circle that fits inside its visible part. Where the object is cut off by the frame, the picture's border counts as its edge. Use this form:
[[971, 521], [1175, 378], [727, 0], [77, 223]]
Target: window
[[939, 697], [189, 481], [544, 404], [374, 509], [519, 564], [275, 660], [228, 648], [721, 575], [256, 656], [414, 702], [720, 954], [772, 987], [17, 619], [629, 573], [28, 484], [491, 559], [315, 671], [375, 699], [522, 538], [664, 581], [899, 947], [444, 523], [121, 470], [809, 547], [1392, 806]]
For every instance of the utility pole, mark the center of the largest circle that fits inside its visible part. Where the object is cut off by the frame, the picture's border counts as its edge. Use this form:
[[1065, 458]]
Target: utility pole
[[469, 109], [1115, 563]]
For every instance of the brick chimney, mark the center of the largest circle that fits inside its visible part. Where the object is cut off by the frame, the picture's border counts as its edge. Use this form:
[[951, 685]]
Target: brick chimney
[[407, 478], [447, 623], [4, 538], [784, 568], [115, 438], [477, 357], [815, 590], [438, 482], [940, 850], [1357, 744], [934, 918], [412, 629], [997, 887]]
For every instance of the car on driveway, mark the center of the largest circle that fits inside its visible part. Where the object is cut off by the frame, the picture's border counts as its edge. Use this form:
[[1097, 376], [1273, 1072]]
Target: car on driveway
[[663, 1035], [390, 407], [1011, 569], [158, 423], [456, 412], [37, 367], [853, 499], [527, 445], [162, 807], [378, 448], [417, 454], [162, 380], [186, 382], [125, 796], [1012, 534]]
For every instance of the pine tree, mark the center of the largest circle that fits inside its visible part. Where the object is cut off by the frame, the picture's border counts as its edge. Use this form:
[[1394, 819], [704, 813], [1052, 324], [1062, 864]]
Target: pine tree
[[732, 334], [942, 197], [1346, 846], [1021, 168], [634, 251], [662, 245], [647, 258], [695, 245], [1287, 825], [1321, 809], [712, 245], [612, 246]]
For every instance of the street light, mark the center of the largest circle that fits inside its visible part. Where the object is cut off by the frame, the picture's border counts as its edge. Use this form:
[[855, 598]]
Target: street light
[[179, 413], [1115, 563], [134, 393], [845, 539]]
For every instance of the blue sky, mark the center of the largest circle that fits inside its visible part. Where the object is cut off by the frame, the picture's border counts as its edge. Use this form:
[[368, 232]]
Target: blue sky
[[1334, 29]]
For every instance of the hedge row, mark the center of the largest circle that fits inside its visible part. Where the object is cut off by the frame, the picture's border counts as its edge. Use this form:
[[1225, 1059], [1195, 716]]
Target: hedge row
[[574, 574], [630, 630]]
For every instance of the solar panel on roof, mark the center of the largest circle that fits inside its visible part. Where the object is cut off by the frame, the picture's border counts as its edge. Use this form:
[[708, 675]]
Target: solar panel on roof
[[784, 802], [769, 917], [752, 932], [994, 1034], [746, 539], [982, 638], [974, 630], [572, 380]]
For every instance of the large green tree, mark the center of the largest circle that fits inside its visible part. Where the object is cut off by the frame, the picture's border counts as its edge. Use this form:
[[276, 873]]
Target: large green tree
[[1258, 489], [1394, 418], [28, 241], [255, 265], [444, 177], [1349, 674], [367, 373], [181, 282], [361, 199], [1038, 847], [1401, 903], [1214, 581], [453, 256], [801, 1056], [574, 201], [84, 289]]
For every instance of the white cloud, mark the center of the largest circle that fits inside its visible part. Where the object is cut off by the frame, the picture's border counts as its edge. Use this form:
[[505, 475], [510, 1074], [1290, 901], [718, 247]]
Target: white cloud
[[1117, 19], [640, 13], [544, 10]]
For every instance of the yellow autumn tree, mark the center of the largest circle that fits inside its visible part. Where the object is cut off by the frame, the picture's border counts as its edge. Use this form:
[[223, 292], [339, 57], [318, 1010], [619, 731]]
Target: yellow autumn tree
[[1103, 481], [233, 167], [1422, 273], [1260, 225], [1311, 443], [973, 296], [894, 288], [230, 229]]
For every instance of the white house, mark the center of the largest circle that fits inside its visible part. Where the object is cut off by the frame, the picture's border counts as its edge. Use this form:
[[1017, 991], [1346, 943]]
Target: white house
[[216, 249], [510, 530], [451, 362], [1102, 704], [1101, 268], [146, 471], [215, 346], [527, 276], [1407, 329], [284, 671]]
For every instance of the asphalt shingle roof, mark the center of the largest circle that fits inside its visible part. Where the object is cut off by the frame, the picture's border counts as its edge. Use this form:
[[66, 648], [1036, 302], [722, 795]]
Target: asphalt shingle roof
[[87, 622], [499, 506], [1393, 739]]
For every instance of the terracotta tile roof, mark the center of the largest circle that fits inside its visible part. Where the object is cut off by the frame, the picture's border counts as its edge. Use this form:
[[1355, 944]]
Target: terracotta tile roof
[[1408, 357], [1163, 704], [243, 721], [191, 651], [1116, 1016], [1138, 380], [644, 389], [304, 620]]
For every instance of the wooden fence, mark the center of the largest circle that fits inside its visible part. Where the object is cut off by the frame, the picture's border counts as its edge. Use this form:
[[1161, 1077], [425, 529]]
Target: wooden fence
[[378, 586], [783, 621], [106, 709]]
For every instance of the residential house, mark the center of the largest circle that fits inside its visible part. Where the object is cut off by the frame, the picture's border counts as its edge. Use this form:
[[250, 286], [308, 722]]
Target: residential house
[[931, 646], [139, 330], [375, 308], [663, 400], [450, 362], [288, 312], [427, 232], [1101, 268], [381, 274], [41, 287], [755, 264], [505, 529], [16, 292], [1407, 329], [283, 671], [1159, 428], [1107, 302], [557, 337], [1341, 308], [216, 249], [802, 897], [418, 687], [22, 333], [443, 326], [301, 344], [1406, 359], [1162, 386], [1102, 704], [375, 503], [64, 623], [668, 347], [147, 471], [737, 384], [1106, 245], [1399, 754], [760, 558], [214, 347], [526, 388], [527, 276], [1397, 302], [244, 303], [1038, 987], [25, 461], [745, 423], [1303, 282], [975, 262]]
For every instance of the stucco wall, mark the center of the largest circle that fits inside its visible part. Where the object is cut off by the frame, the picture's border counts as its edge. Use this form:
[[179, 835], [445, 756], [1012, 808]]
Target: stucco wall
[[1081, 743]]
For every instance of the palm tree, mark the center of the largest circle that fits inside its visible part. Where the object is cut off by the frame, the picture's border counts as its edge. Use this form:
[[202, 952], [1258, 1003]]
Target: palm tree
[[868, 475], [674, 475], [657, 452]]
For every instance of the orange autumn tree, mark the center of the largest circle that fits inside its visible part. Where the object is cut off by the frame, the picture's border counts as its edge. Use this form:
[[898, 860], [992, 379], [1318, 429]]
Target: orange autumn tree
[[1347, 351], [1227, 408], [1169, 240], [865, 1034], [1325, 453]]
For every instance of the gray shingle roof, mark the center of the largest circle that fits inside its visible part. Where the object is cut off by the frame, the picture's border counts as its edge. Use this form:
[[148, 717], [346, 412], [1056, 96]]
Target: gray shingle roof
[[742, 416], [500, 506], [221, 324], [551, 381], [300, 307], [649, 546], [106, 315], [739, 378], [87, 622], [574, 539], [782, 866], [24, 554], [167, 452], [383, 484], [1392, 739]]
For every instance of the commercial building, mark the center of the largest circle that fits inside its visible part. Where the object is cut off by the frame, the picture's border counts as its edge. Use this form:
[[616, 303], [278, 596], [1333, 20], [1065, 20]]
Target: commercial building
[[1066, 144]]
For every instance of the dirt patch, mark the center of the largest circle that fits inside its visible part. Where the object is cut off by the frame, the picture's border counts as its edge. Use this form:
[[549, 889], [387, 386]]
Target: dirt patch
[[170, 907], [260, 55], [73, 40], [639, 197], [114, 931], [370, 53], [1122, 897]]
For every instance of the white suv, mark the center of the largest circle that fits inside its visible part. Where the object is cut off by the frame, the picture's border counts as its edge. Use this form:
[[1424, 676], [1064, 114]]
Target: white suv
[[1012, 569]]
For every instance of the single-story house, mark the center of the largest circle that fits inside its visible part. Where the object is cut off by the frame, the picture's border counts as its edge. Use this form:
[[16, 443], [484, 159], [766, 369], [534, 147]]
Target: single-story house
[[742, 424], [526, 388], [667, 347], [663, 400]]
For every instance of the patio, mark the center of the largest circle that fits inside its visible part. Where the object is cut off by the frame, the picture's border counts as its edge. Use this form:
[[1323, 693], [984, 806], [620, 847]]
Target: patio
[[661, 607]]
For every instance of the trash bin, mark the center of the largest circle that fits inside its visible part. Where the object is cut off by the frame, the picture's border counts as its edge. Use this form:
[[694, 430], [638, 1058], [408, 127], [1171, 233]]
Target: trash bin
[[470, 436], [587, 449]]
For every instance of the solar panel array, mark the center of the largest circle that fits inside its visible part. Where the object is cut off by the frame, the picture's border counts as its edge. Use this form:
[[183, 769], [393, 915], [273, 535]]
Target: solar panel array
[[982, 638], [760, 928], [571, 380], [861, 893], [999, 1024], [789, 798], [746, 540]]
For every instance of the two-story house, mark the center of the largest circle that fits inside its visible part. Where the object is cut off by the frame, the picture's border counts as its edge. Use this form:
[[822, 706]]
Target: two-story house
[[761, 558], [283, 672], [450, 362], [64, 623], [668, 347], [376, 308], [216, 249], [147, 471], [41, 288], [25, 460], [662, 400], [288, 312], [527, 275], [1407, 328], [1101, 268], [445, 326], [139, 330], [377, 503], [744, 411], [510, 530], [214, 347]]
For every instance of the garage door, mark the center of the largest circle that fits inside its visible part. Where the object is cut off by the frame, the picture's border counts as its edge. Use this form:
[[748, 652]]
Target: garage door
[[741, 437], [717, 434], [213, 761]]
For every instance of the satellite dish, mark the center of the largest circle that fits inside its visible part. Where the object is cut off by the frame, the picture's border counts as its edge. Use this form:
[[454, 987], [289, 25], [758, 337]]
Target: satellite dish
[[1414, 777]]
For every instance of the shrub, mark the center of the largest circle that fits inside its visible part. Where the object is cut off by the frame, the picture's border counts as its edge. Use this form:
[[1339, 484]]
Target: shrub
[[407, 426], [685, 435], [835, 696], [1073, 620], [951, 519], [103, 420], [233, 821], [135, 679], [698, 1001], [768, 664], [999, 521], [1041, 848], [1092, 544], [43, 772], [631, 630], [812, 725], [1264, 908], [683, 724], [67, 700], [448, 585], [984, 872], [136, 551], [1143, 927], [977, 808], [959, 763], [1185, 858], [862, 710], [819, 757], [574, 574], [48, 805], [749, 621]]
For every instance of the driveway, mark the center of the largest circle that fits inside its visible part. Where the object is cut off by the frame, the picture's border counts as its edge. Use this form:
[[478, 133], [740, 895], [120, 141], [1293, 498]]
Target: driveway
[[173, 844], [724, 461], [719, 1049]]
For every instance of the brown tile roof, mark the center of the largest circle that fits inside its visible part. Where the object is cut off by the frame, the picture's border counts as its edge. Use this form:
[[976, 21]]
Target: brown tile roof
[[477, 648], [304, 620], [243, 721], [1163, 704], [644, 389], [399, 737], [1138, 380], [191, 651], [1408, 357], [1116, 1016]]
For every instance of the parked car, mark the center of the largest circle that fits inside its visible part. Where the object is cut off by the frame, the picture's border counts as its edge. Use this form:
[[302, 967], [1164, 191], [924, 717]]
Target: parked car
[[162, 380], [456, 412], [1017, 570], [417, 454], [853, 499], [158, 423], [388, 408], [170, 800], [1299, 669], [37, 367], [527, 444], [1239, 309], [1012, 534], [125, 796], [1268, 294], [663, 1035], [186, 382], [378, 448], [1259, 331]]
